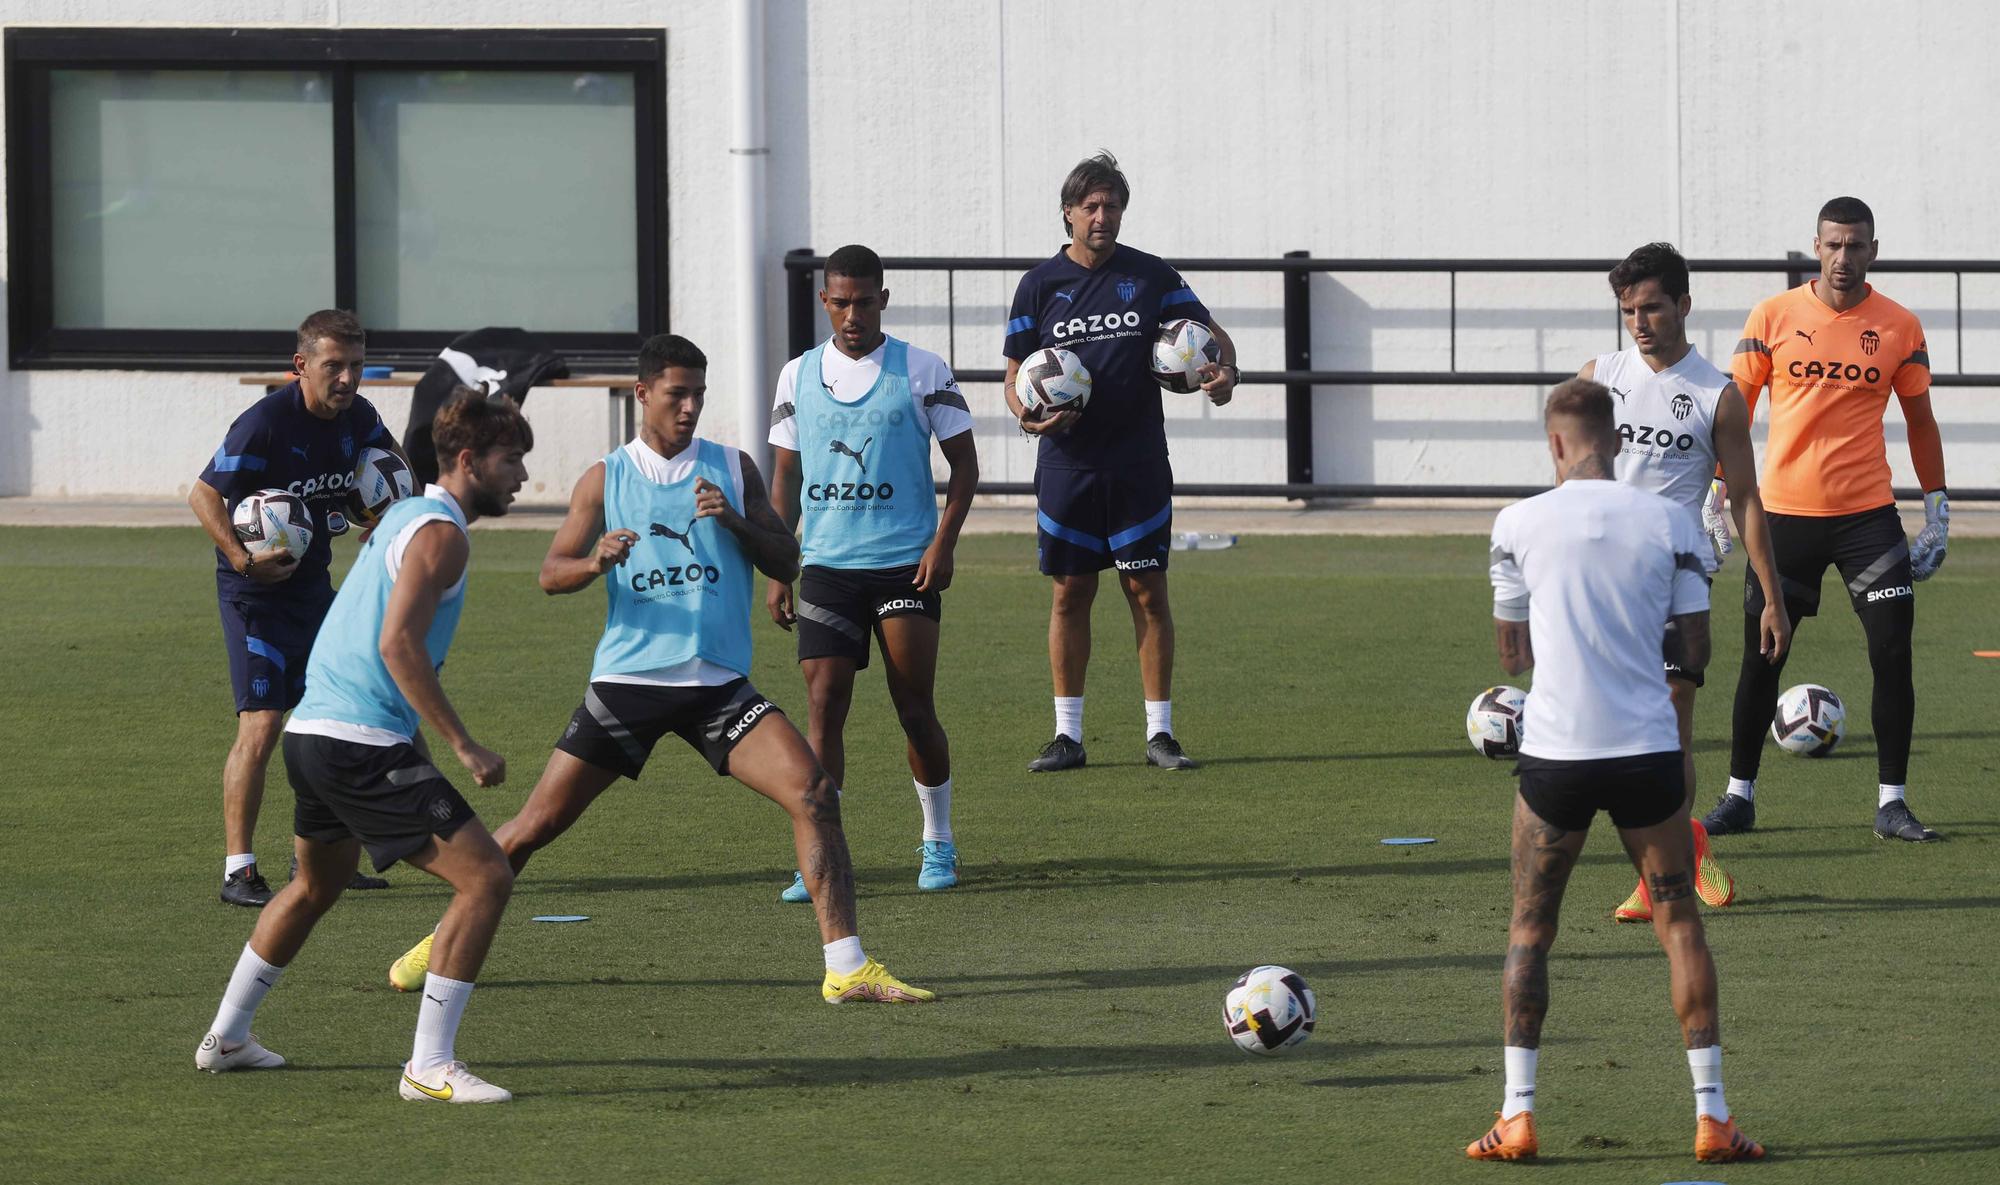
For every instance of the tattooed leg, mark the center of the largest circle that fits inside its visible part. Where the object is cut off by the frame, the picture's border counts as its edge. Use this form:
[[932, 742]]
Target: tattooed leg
[[823, 858], [775, 761], [1664, 856], [1543, 857]]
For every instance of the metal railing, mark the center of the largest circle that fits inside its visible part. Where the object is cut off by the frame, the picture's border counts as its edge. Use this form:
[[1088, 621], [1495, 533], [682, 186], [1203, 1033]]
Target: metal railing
[[1299, 378]]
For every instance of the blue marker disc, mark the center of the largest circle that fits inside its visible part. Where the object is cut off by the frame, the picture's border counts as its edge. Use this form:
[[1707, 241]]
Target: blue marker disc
[[1404, 842], [563, 917]]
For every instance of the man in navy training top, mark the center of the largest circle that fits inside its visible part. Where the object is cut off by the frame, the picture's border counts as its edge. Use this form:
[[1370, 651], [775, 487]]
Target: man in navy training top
[[362, 775], [304, 438], [1103, 486]]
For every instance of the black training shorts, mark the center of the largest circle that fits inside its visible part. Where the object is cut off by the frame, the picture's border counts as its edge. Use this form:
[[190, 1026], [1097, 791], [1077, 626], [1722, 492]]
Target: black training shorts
[[1638, 791], [387, 796], [617, 724], [838, 608], [1868, 549]]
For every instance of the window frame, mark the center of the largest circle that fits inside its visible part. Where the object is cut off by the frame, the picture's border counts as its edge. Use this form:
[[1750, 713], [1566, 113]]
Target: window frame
[[36, 343]]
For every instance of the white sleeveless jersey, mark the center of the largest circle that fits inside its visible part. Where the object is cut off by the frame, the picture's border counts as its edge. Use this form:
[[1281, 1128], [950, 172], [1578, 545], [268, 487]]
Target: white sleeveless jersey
[[1667, 421]]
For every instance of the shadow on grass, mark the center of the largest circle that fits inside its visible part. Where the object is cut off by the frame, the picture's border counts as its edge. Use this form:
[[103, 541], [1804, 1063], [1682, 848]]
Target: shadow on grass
[[1363, 1082], [1008, 1060], [1094, 979], [1115, 872], [1814, 903]]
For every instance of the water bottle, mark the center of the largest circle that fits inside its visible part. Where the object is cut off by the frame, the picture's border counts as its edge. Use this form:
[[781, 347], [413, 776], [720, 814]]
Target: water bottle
[[1202, 541]]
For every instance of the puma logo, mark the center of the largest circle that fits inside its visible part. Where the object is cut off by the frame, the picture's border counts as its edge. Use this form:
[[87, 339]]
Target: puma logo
[[840, 446], [1802, 333], [667, 532]]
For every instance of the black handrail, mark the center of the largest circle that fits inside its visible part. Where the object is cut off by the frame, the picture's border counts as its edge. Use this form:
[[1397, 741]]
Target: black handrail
[[1299, 379]]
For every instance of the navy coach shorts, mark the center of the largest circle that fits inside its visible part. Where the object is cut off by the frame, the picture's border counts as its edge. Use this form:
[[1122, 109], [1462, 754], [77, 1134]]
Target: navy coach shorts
[[1093, 519], [268, 641]]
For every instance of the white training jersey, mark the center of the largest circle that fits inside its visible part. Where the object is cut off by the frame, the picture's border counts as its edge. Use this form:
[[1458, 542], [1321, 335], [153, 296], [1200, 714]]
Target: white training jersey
[[1667, 421], [1596, 568], [934, 393]]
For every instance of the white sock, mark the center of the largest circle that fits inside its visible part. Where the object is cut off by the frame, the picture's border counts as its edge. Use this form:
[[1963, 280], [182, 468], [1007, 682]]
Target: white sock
[[936, 801], [1520, 1080], [843, 955], [1706, 1066], [247, 984], [1886, 794], [1159, 717], [1747, 791], [231, 865], [437, 1022], [1069, 717]]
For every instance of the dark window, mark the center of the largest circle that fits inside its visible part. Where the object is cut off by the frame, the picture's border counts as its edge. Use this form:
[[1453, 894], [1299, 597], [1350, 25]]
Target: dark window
[[181, 198]]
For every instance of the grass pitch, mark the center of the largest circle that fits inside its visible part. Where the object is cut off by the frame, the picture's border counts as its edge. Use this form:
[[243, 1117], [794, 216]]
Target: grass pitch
[[678, 1035]]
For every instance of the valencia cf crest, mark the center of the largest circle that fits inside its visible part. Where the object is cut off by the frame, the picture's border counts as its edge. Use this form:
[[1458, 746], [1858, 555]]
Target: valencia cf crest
[[1870, 342], [260, 687], [347, 447], [1127, 289], [1683, 406]]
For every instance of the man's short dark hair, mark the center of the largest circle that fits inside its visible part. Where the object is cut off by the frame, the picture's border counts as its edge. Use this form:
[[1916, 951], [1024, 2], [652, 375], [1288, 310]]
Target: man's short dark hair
[[855, 262], [470, 420], [1654, 261], [663, 350], [337, 324], [1090, 175], [1846, 211], [1586, 402]]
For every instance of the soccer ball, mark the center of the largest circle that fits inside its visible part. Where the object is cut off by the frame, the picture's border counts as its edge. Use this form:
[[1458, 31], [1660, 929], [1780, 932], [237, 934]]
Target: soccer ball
[[1493, 722], [1810, 720], [1179, 353], [271, 519], [1269, 1010], [1052, 380], [380, 478]]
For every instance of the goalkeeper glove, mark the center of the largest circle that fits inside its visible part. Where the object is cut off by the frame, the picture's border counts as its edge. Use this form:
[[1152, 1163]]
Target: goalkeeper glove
[[1927, 553], [1715, 521]]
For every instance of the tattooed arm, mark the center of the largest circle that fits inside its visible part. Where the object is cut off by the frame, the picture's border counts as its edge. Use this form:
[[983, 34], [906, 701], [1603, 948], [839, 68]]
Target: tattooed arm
[[1510, 638], [770, 543]]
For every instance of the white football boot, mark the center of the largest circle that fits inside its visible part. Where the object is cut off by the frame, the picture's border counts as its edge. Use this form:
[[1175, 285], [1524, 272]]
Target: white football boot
[[216, 1058], [449, 1083]]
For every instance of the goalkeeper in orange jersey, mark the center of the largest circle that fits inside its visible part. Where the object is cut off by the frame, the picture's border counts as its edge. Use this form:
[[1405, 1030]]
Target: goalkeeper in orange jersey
[[1832, 351]]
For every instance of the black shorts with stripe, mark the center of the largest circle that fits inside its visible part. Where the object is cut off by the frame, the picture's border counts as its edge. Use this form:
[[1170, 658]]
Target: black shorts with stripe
[[387, 796], [617, 724], [838, 608], [1868, 550], [1643, 790]]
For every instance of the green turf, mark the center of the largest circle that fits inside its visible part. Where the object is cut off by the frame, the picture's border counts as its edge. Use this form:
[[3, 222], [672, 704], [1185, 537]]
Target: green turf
[[678, 1035]]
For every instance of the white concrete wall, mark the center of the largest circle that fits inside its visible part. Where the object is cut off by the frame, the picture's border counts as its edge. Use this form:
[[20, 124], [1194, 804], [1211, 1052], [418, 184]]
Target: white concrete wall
[[1378, 128]]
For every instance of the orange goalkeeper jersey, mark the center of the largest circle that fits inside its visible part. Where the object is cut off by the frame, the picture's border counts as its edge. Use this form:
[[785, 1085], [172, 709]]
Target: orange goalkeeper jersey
[[1830, 376]]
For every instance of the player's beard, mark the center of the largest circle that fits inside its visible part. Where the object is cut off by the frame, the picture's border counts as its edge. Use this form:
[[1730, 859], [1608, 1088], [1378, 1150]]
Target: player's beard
[[488, 502]]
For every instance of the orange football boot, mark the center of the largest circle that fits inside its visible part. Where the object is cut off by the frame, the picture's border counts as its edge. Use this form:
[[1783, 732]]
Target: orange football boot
[[1717, 1140], [1715, 887], [1511, 1139]]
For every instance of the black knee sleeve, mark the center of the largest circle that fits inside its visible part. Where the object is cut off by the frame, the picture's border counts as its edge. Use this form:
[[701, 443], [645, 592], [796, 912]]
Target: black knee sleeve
[[1756, 703], [1888, 625]]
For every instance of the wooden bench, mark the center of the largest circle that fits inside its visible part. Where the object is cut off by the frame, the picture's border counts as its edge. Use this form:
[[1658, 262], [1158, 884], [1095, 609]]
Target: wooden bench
[[623, 409]]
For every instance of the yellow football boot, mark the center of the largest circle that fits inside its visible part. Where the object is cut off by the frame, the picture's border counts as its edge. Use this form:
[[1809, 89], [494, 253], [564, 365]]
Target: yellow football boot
[[407, 973], [872, 984]]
